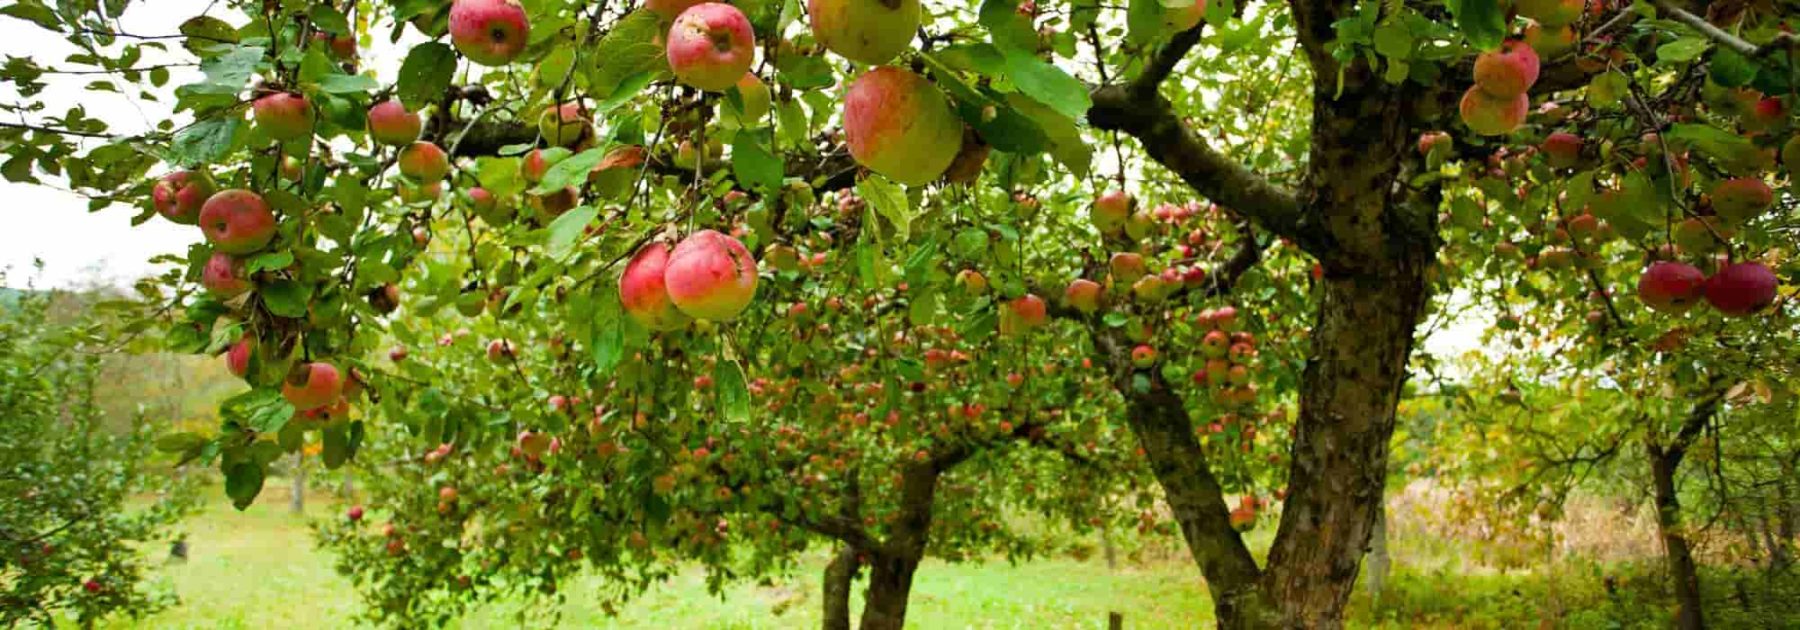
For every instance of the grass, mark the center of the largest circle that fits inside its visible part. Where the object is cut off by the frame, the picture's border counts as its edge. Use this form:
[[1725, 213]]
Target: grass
[[259, 569]]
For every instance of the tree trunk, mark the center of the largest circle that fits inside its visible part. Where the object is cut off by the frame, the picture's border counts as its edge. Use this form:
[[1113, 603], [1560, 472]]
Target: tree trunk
[[839, 574], [348, 489], [297, 502], [890, 584], [1378, 557], [1682, 572]]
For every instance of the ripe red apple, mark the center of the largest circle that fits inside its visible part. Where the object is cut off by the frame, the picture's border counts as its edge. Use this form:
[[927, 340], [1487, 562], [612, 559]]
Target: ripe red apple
[[1741, 289], [499, 350], [563, 125], [312, 385], [533, 166], [1766, 114], [1178, 19], [391, 124], [237, 358], [871, 32], [711, 46], [1215, 344], [284, 116], [355, 513], [1023, 313], [237, 221], [643, 293], [1508, 72], [397, 354], [1490, 116], [1083, 295], [899, 125], [1126, 267], [489, 32], [710, 276], [91, 586], [1562, 149], [179, 195], [1742, 199], [223, 275], [447, 494], [1670, 287], [1110, 210], [424, 162]]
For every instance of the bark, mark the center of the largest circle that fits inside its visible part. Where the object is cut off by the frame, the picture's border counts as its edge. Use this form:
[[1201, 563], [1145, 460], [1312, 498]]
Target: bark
[[890, 584], [1378, 557], [891, 566], [1665, 461], [839, 574]]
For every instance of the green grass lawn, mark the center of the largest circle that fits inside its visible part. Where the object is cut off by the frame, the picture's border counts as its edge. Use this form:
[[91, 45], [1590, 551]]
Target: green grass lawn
[[260, 569]]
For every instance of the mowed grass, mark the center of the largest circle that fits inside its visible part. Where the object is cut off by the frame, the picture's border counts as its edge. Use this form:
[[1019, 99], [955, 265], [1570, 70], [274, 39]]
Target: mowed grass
[[260, 569]]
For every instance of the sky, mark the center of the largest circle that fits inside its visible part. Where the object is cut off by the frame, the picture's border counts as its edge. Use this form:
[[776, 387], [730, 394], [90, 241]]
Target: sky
[[76, 247]]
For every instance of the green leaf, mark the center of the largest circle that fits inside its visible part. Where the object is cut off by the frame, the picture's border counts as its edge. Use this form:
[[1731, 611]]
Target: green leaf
[[335, 439], [329, 19], [752, 163], [569, 171], [1047, 83], [608, 343], [180, 442], [348, 84], [733, 392], [889, 200], [286, 298], [630, 48], [566, 229], [1006, 27], [426, 74], [1393, 40], [1682, 50], [262, 410], [1482, 22], [1143, 21], [269, 262], [1730, 69], [206, 142], [35, 12], [228, 73], [243, 481]]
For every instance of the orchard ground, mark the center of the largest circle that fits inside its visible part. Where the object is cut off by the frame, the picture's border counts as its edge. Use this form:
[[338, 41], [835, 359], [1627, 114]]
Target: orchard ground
[[260, 568]]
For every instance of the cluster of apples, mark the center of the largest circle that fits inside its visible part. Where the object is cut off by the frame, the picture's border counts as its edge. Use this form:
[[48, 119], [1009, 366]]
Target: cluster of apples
[[1500, 98], [1735, 289], [708, 276], [1229, 355]]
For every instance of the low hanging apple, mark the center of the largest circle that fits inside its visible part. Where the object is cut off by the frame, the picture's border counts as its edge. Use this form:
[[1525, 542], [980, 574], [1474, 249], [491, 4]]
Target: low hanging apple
[[237, 358], [489, 32], [643, 293], [872, 32], [178, 196], [390, 123], [312, 385], [711, 46], [284, 116], [223, 275], [424, 162], [1670, 287]]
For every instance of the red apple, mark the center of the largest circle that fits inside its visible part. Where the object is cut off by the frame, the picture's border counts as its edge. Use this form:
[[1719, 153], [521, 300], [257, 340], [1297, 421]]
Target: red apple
[[563, 125], [424, 162], [1670, 287], [711, 276], [1023, 314], [390, 123], [489, 32], [237, 221], [1083, 295], [1562, 149], [872, 32], [1493, 116], [1507, 73], [237, 358], [179, 195], [1110, 210], [312, 385], [1434, 141], [643, 293], [1143, 356], [224, 276], [284, 116], [499, 350], [1741, 289], [901, 126], [711, 46]]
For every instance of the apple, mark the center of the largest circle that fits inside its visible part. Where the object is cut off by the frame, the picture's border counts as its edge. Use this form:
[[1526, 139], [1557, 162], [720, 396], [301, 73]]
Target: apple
[[1670, 287], [1083, 295], [424, 162], [563, 125], [1431, 141], [489, 32], [237, 358], [342, 47], [91, 586], [1140, 225], [1151, 289], [1126, 267], [901, 126], [1766, 114], [284, 116], [711, 46], [1561, 149], [535, 163], [669, 9], [643, 292], [390, 123], [1508, 72], [1110, 210], [355, 513], [1696, 235], [410, 194], [1550, 42], [1023, 313], [237, 221], [312, 385], [710, 276], [1143, 356], [1178, 19], [1491, 116], [397, 354], [499, 350], [971, 282], [1742, 199], [447, 494], [1551, 12], [871, 32], [178, 196], [223, 275], [1215, 344], [753, 98], [1741, 289]]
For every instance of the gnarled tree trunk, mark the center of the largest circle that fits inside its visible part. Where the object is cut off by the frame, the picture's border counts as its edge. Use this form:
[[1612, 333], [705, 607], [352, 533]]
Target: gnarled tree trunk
[[891, 566], [1684, 575], [839, 574]]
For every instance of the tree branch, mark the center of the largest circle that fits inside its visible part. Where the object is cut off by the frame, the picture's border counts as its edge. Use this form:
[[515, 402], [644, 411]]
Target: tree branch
[[63, 132]]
